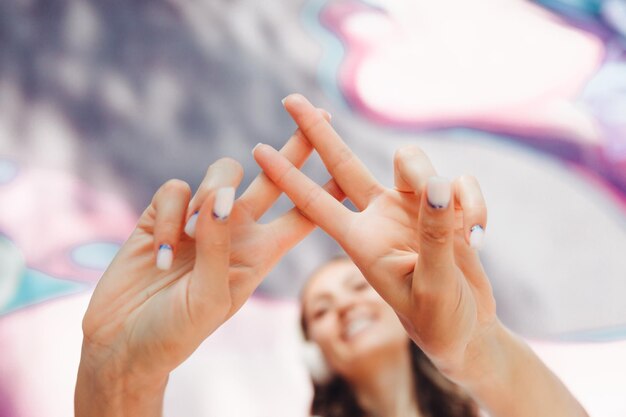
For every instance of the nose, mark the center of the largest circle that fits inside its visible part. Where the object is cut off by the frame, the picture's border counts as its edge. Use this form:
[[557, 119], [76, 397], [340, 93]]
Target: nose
[[345, 304]]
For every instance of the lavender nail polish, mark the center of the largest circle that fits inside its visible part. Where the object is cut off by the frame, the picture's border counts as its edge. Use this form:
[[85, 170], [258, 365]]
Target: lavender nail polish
[[477, 236], [224, 199], [438, 192], [190, 227], [165, 256]]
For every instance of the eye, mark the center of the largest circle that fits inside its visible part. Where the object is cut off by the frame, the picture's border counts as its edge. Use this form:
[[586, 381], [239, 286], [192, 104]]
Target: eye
[[318, 313], [361, 286]]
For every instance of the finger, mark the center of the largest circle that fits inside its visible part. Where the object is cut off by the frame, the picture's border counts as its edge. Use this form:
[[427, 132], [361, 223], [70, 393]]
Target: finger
[[262, 192], [468, 261], [469, 197], [281, 235], [289, 229], [412, 169], [349, 172], [208, 288], [170, 204], [436, 231], [314, 203], [225, 172]]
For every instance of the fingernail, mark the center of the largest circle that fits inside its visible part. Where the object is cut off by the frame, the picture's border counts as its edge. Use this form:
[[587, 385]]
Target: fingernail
[[190, 227], [224, 199], [164, 257], [477, 236], [256, 146], [438, 191], [283, 101], [328, 115]]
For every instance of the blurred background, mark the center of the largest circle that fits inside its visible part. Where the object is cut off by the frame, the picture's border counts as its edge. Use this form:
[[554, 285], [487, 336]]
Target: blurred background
[[102, 102]]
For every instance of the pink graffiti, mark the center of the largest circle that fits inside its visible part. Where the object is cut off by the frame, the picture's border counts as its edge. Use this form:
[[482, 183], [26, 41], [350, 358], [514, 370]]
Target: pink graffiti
[[505, 66], [48, 213]]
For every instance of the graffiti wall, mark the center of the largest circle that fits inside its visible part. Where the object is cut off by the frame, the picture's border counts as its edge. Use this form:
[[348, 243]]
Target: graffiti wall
[[100, 103]]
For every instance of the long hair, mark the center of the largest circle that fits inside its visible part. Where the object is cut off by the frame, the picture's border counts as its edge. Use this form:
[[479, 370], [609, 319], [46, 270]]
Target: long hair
[[436, 395]]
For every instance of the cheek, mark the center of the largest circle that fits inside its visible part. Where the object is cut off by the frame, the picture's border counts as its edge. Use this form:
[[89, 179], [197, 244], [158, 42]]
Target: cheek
[[323, 332]]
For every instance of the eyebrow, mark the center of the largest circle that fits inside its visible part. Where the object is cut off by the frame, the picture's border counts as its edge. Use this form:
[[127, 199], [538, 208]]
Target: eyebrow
[[347, 280]]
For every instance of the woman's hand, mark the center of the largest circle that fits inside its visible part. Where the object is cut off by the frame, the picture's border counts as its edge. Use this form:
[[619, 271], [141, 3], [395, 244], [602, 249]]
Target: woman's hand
[[190, 264], [405, 240], [416, 244]]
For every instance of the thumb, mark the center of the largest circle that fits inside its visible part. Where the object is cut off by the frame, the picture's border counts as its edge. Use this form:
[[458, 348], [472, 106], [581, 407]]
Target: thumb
[[208, 291], [436, 231]]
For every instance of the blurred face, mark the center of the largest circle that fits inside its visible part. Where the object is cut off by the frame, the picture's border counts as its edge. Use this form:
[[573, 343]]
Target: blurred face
[[349, 321]]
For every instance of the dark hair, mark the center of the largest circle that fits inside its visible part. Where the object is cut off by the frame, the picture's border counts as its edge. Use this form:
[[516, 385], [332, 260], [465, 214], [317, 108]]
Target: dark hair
[[436, 395]]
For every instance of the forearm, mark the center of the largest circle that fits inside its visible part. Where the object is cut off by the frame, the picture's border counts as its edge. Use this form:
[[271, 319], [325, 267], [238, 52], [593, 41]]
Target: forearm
[[102, 391], [506, 377]]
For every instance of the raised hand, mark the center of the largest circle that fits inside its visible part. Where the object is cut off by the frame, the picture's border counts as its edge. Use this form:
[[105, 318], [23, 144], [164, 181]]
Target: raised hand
[[190, 264], [403, 239]]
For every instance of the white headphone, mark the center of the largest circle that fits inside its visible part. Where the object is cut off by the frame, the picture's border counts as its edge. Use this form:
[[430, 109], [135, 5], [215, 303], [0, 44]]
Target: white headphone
[[315, 362]]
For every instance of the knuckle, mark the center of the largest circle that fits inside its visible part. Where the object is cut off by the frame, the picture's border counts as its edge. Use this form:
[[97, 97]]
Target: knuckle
[[343, 156], [407, 152], [434, 234], [175, 186], [167, 228], [229, 164], [283, 174], [309, 198], [314, 122], [220, 244]]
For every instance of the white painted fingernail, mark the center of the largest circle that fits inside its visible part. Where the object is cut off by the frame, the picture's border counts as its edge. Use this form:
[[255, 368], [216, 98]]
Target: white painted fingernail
[[190, 227], [477, 236], [224, 199], [256, 146], [438, 191], [283, 101], [164, 257]]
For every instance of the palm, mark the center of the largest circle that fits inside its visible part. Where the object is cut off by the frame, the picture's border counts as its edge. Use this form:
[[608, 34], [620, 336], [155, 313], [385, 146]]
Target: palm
[[388, 224], [391, 224], [155, 314]]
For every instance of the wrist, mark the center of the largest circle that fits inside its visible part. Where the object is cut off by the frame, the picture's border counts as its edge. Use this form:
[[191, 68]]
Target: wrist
[[505, 377], [485, 360], [107, 387]]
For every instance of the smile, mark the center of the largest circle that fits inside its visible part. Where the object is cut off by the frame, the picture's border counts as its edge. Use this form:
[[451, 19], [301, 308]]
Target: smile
[[357, 326]]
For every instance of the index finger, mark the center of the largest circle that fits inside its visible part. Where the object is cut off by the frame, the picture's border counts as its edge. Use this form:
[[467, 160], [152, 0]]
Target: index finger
[[314, 203], [352, 176], [262, 193]]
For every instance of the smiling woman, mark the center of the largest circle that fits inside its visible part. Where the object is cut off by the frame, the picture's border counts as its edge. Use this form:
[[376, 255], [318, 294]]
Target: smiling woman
[[377, 369]]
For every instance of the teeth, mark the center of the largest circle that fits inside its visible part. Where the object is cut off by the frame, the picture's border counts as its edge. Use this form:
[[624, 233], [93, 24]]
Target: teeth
[[356, 326]]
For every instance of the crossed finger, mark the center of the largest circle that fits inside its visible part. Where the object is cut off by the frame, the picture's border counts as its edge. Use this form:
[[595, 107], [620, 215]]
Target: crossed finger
[[351, 175], [312, 200], [262, 193]]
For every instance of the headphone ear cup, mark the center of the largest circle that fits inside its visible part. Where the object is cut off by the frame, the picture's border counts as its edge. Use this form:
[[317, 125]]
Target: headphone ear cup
[[316, 364]]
